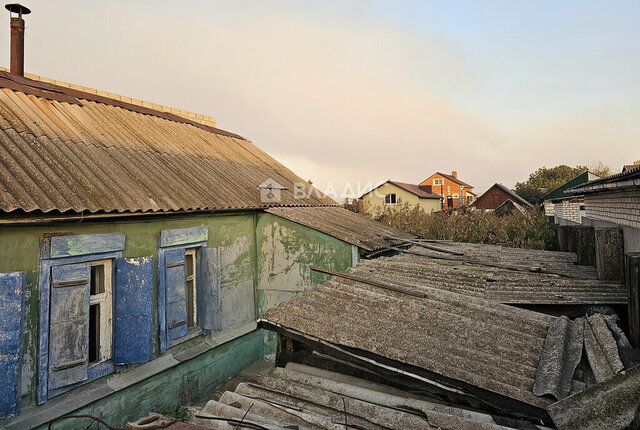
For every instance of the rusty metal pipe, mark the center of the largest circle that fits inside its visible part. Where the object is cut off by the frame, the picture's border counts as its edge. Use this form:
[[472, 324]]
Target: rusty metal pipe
[[17, 46]]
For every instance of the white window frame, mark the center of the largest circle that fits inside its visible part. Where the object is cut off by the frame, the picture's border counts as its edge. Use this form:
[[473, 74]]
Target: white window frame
[[438, 181], [105, 302], [192, 300], [389, 197]]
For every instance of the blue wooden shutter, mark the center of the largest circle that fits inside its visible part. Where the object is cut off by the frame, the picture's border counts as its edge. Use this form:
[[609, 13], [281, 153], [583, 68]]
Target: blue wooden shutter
[[69, 324], [132, 314], [12, 286], [176, 290], [209, 312]]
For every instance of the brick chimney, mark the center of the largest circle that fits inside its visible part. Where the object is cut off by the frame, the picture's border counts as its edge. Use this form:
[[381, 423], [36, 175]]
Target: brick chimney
[[454, 174], [17, 37]]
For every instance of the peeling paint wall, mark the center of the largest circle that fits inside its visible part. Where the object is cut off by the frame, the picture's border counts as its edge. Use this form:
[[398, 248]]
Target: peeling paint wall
[[235, 234], [285, 251], [264, 261]]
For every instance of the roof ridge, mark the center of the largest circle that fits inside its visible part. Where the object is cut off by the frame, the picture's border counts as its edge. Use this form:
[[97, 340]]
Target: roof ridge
[[64, 94], [204, 119]]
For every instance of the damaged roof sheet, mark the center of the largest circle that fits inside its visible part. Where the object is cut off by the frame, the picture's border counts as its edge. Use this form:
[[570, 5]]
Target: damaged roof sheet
[[343, 224], [610, 405], [478, 342], [311, 398], [494, 283], [63, 150]]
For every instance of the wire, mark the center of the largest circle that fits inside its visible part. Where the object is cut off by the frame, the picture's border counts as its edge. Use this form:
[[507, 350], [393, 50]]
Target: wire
[[95, 419]]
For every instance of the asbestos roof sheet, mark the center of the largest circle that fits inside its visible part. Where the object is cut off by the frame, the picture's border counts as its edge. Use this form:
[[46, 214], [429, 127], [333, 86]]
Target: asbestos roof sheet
[[578, 285], [343, 224], [610, 405], [626, 179], [462, 338], [305, 397], [63, 150]]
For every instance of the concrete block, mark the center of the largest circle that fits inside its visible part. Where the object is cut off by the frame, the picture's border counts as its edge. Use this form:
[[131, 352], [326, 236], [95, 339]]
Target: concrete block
[[584, 242], [609, 244], [632, 282]]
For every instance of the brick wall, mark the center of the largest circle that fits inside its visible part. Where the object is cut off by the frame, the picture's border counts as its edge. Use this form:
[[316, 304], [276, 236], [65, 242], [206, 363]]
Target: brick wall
[[569, 209], [548, 208], [620, 207]]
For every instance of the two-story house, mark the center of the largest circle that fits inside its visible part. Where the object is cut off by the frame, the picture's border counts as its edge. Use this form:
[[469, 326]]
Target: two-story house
[[453, 192]]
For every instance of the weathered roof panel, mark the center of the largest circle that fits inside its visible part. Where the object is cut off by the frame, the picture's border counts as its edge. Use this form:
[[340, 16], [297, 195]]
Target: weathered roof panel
[[311, 398], [482, 343], [102, 155], [609, 405], [626, 179], [343, 224], [578, 285]]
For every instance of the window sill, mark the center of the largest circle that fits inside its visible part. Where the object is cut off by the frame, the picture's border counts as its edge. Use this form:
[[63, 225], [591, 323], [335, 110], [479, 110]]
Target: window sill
[[191, 333], [34, 416]]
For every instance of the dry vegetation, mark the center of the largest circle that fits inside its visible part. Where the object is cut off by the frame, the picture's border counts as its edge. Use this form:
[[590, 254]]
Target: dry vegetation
[[513, 229]]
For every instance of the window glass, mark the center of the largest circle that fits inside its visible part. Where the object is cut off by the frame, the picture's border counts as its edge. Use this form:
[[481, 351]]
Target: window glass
[[190, 262], [100, 312]]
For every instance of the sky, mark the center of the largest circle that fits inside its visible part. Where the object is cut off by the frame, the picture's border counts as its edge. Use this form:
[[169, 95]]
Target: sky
[[359, 92]]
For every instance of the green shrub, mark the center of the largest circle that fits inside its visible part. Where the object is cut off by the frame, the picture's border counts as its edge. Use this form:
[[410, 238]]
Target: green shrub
[[531, 230]]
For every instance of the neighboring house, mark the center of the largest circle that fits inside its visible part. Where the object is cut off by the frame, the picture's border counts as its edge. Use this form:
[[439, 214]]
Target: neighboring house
[[567, 208], [453, 192], [496, 196], [137, 253], [391, 193], [614, 201]]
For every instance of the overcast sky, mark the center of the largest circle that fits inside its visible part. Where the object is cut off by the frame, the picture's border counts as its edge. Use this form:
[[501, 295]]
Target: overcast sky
[[365, 91]]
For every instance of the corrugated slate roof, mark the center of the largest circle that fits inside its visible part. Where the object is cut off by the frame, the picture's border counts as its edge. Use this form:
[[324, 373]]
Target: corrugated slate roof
[[345, 225], [300, 396], [407, 317], [462, 338], [491, 283], [626, 179], [610, 405], [64, 150]]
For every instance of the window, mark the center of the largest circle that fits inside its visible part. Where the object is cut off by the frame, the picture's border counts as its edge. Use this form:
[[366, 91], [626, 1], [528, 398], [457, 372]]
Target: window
[[456, 196], [95, 310], [190, 263], [438, 181], [100, 311], [469, 198], [390, 199], [189, 301]]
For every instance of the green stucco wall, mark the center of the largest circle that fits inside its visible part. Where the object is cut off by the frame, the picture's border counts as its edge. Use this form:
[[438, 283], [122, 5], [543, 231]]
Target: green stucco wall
[[285, 251], [235, 234], [180, 385], [265, 261]]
